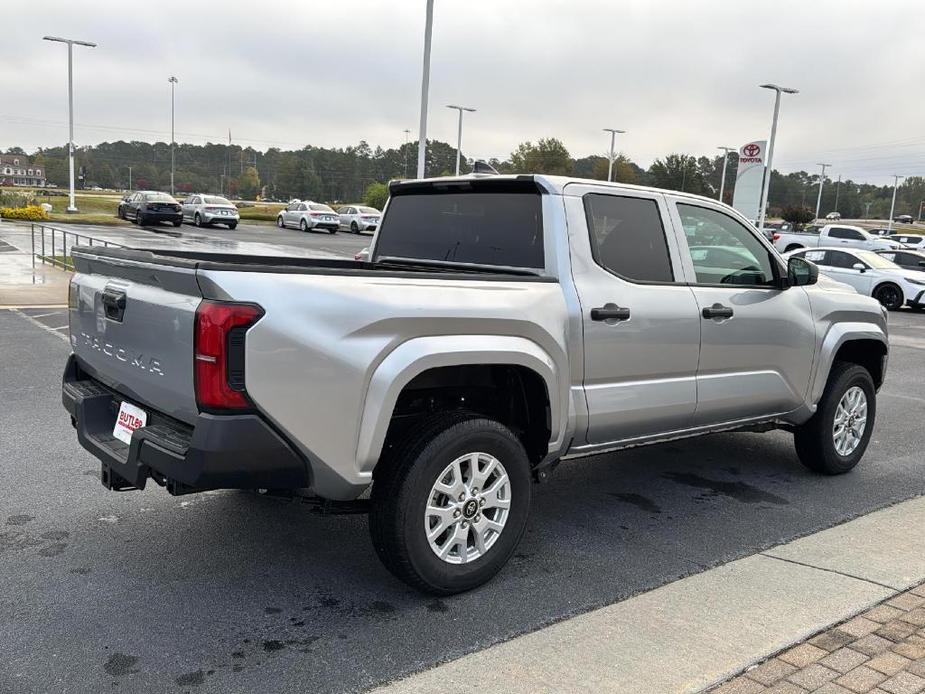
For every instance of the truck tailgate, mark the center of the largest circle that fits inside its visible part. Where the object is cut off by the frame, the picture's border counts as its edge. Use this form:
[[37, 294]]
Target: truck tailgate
[[131, 326]]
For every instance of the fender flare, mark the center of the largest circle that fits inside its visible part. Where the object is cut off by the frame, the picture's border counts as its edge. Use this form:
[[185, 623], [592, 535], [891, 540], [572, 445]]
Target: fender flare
[[418, 355], [840, 334]]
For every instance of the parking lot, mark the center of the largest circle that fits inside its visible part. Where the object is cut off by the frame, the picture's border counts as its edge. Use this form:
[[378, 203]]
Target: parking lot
[[230, 592]]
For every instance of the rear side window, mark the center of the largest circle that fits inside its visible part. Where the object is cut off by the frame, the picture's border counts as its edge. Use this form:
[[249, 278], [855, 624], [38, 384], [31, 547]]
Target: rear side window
[[844, 233], [483, 228], [627, 237]]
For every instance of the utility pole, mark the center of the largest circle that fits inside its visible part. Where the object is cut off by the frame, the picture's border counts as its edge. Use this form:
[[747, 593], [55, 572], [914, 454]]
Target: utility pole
[[610, 159], [767, 177], [821, 181], [893, 204], [867, 210], [407, 138], [425, 86], [173, 83], [72, 205], [722, 181], [129, 177], [459, 132], [837, 186]]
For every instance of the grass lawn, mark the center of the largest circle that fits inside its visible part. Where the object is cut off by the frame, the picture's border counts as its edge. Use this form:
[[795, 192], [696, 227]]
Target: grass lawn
[[260, 212]]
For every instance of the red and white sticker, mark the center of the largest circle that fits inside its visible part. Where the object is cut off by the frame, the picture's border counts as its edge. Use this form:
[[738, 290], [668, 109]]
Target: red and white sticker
[[129, 419]]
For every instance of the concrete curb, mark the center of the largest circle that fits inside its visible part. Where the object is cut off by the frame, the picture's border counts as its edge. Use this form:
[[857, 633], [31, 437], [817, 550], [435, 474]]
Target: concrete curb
[[696, 632]]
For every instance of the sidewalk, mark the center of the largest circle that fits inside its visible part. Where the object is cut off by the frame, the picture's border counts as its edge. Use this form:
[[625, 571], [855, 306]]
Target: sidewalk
[[21, 285], [697, 632]]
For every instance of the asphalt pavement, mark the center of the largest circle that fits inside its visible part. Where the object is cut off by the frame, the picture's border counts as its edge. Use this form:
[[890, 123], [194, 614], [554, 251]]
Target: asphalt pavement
[[229, 592]]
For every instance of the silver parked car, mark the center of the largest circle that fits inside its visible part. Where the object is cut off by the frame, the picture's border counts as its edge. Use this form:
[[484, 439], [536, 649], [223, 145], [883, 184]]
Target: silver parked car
[[206, 210], [307, 215], [358, 218]]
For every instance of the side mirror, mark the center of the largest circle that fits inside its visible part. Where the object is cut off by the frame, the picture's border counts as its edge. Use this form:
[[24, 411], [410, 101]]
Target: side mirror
[[859, 267], [801, 272]]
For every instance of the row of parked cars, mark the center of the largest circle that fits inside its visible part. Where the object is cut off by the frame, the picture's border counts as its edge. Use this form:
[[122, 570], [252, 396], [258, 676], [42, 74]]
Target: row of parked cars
[[150, 206]]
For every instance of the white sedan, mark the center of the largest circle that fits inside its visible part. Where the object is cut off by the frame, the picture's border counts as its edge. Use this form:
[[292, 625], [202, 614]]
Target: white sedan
[[307, 215], [206, 210], [870, 274], [358, 218]]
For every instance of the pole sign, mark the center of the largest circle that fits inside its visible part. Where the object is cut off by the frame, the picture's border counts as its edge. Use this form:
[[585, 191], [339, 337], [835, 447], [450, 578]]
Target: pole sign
[[750, 178]]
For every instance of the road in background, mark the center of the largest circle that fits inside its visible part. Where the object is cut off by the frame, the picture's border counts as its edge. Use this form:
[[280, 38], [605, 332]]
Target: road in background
[[228, 592]]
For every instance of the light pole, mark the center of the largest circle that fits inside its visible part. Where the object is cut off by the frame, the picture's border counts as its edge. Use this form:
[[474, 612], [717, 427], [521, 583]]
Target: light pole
[[407, 137], [459, 132], [129, 177], [173, 83], [613, 136], [72, 206], [893, 204], [837, 186], [821, 181], [425, 85], [767, 178], [867, 210], [722, 181]]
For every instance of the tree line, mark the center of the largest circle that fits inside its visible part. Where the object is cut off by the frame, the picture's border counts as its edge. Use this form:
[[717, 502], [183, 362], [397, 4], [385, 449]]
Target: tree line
[[346, 174]]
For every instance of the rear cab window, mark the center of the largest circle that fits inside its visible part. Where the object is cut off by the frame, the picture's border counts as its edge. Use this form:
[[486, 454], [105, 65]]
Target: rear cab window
[[494, 223]]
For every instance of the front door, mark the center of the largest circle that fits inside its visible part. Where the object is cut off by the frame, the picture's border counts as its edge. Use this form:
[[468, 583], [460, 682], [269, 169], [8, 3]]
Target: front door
[[757, 340], [841, 266], [640, 322]]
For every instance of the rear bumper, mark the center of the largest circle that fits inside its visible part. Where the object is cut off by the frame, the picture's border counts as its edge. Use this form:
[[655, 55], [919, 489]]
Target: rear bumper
[[217, 452], [211, 218], [161, 216]]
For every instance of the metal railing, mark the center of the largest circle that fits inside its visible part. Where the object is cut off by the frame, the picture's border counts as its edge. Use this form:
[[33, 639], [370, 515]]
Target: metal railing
[[58, 241]]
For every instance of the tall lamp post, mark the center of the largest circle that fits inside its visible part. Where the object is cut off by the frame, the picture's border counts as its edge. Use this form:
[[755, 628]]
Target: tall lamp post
[[767, 178], [821, 181], [425, 86], [613, 136], [459, 132], [72, 206], [129, 177], [173, 83], [407, 137], [893, 204], [722, 181]]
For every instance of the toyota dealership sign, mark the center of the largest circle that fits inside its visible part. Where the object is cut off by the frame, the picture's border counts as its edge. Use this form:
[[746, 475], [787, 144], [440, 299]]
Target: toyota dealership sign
[[749, 178]]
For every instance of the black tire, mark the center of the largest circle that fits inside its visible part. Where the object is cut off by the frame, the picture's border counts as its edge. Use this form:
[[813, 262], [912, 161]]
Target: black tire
[[890, 296], [303, 225], [332, 231], [280, 223], [354, 228], [233, 226], [814, 440], [178, 222], [197, 220], [139, 219], [402, 485]]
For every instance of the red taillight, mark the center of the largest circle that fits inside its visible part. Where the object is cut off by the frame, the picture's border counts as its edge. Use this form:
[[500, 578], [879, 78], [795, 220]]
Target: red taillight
[[218, 350], [776, 237]]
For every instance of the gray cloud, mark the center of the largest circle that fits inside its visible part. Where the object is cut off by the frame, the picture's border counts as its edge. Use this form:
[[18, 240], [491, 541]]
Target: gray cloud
[[679, 76]]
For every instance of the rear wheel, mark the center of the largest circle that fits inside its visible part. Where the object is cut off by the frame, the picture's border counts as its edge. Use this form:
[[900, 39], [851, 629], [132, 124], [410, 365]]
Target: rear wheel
[[834, 440], [232, 225], [197, 220], [140, 219], [332, 230], [178, 222], [890, 295], [450, 504], [303, 225], [354, 228]]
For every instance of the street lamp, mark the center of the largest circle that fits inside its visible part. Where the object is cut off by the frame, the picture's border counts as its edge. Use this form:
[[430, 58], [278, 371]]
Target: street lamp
[[173, 83], [425, 85], [821, 180], [893, 204], [613, 136], [767, 178], [722, 182], [407, 137], [459, 132], [72, 206]]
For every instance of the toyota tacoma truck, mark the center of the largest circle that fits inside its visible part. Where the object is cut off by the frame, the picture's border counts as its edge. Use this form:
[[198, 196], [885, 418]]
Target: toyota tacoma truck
[[500, 325], [833, 235]]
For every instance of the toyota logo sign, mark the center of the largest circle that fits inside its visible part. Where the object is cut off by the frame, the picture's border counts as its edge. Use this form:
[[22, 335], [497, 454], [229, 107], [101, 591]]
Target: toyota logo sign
[[751, 150]]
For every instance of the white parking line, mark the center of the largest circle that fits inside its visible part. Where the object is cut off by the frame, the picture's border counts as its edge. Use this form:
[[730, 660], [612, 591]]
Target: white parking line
[[41, 325], [45, 315], [63, 327]]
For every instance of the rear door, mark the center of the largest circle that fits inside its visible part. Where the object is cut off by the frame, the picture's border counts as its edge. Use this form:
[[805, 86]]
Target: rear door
[[640, 322], [757, 341], [131, 327]]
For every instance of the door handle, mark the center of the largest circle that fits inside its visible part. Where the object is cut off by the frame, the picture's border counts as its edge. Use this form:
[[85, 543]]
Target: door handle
[[717, 311], [610, 312], [113, 301]]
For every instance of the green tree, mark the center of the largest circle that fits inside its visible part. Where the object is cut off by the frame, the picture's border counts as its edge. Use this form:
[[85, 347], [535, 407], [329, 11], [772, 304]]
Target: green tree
[[547, 156], [798, 215], [376, 195], [678, 172], [249, 184]]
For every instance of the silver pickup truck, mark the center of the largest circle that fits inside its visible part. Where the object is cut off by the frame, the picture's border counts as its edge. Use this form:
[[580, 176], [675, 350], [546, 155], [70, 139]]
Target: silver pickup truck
[[501, 324]]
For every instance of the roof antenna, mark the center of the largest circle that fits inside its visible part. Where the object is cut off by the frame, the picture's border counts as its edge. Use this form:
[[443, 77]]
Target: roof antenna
[[483, 168]]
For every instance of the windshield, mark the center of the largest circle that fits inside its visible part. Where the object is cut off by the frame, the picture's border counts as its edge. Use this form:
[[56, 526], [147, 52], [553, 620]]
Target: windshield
[[876, 261], [158, 197], [215, 200], [486, 228], [318, 207]]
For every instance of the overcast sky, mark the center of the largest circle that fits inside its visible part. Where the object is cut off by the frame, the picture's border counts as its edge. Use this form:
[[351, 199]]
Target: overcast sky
[[678, 75]]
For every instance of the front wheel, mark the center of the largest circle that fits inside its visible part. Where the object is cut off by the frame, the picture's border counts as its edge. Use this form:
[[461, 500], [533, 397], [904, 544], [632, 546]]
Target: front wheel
[[890, 296], [280, 223], [833, 441], [450, 503]]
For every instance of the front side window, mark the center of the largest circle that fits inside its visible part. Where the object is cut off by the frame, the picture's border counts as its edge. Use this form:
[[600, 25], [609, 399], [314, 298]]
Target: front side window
[[840, 259], [723, 250], [627, 237]]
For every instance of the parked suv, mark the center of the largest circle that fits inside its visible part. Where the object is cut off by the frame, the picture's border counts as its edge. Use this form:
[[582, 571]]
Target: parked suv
[[149, 207], [206, 210], [501, 325]]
